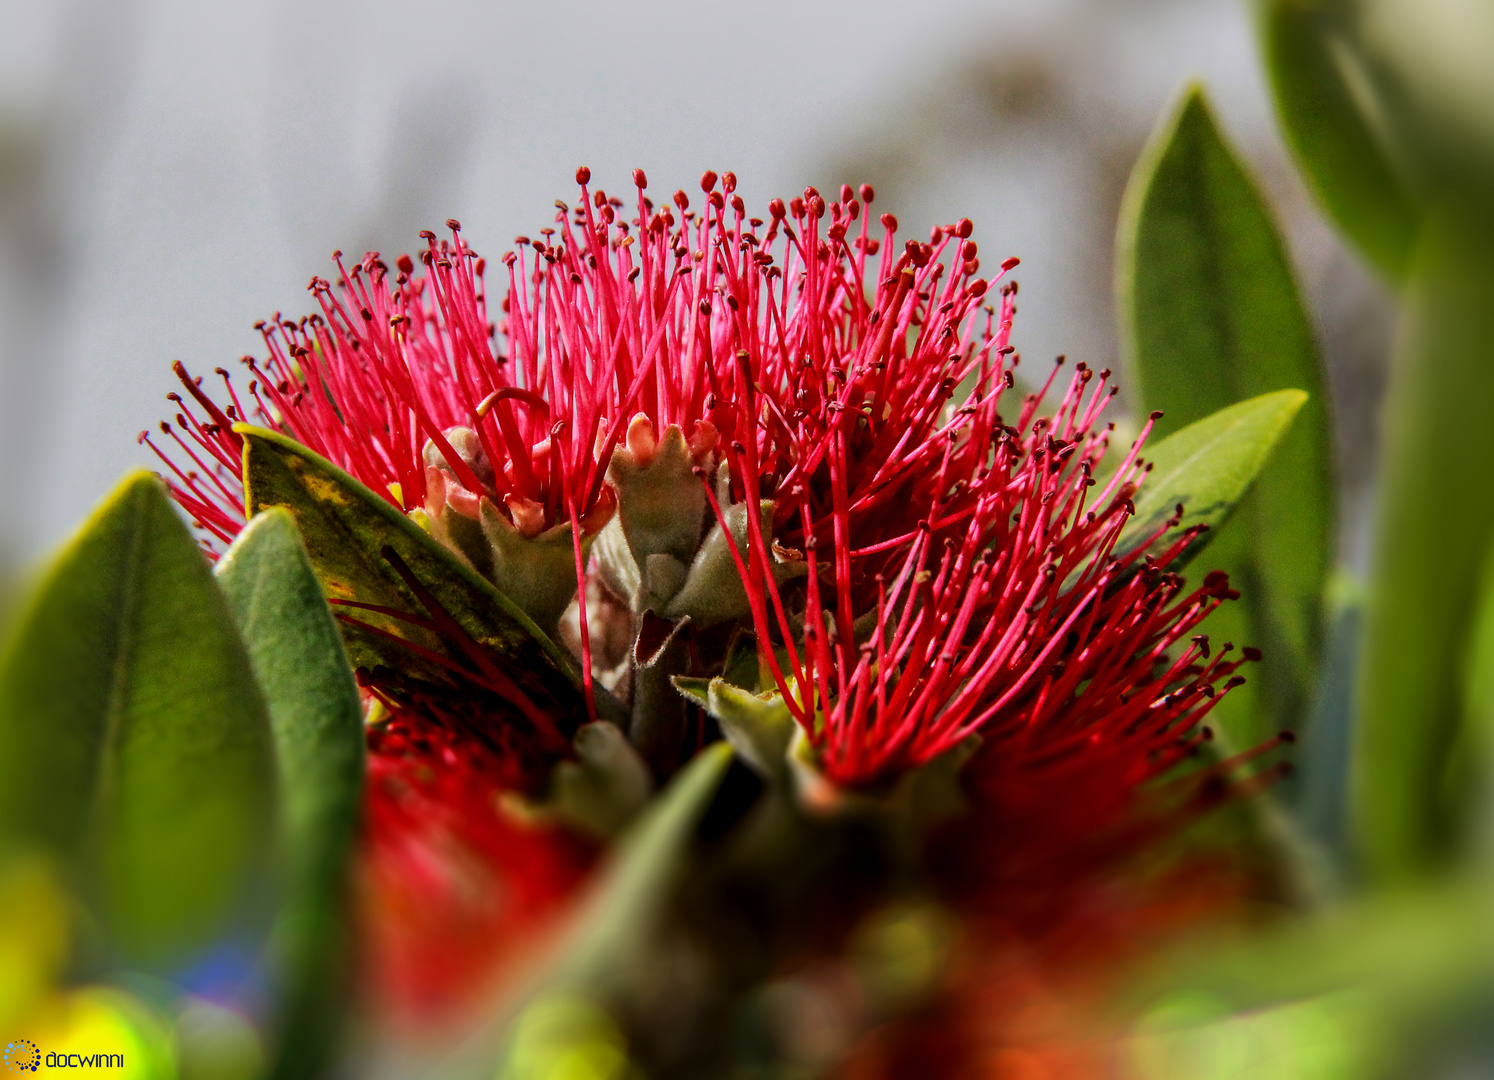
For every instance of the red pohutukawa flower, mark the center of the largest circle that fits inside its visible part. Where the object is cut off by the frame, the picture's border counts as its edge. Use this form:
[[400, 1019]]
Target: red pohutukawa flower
[[450, 880], [1014, 617], [789, 425]]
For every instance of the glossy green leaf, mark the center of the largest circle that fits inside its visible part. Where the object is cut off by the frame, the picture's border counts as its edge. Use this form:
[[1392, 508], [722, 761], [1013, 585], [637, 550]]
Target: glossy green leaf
[[317, 722], [1213, 317], [1208, 466], [347, 529], [1435, 523], [133, 739], [1325, 105]]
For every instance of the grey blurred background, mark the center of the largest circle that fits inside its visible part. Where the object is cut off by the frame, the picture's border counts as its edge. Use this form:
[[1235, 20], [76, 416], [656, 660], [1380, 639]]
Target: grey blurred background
[[171, 171]]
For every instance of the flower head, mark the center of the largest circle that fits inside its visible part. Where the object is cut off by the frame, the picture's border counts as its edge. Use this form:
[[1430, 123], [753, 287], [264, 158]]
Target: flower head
[[450, 879], [786, 430]]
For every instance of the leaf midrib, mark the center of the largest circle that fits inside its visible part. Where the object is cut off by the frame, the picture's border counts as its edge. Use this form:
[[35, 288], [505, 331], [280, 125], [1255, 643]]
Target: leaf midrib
[[107, 782]]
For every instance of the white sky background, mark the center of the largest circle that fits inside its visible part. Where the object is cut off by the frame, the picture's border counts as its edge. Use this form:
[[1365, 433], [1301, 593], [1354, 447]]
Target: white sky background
[[195, 163]]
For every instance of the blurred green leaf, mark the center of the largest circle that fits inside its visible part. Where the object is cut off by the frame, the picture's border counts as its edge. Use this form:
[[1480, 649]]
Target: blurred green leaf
[[1416, 962], [614, 932], [1470, 767], [1435, 522], [317, 722], [347, 528], [1208, 466], [1213, 317], [132, 734], [1430, 59], [611, 940], [1324, 104]]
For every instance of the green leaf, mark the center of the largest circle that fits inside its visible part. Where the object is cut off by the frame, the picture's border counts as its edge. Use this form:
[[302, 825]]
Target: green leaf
[[613, 934], [133, 739], [1327, 113], [1213, 317], [1435, 523], [317, 722], [347, 529], [1375, 979], [605, 955], [1208, 467], [1470, 766]]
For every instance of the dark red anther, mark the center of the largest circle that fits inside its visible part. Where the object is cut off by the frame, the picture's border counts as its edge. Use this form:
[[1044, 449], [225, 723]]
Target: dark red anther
[[868, 193], [1010, 262], [406, 264], [796, 206], [640, 179], [729, 182], [1157, 415], [888, 222], [816, 207], [453, 224], [707, 180], [583, 176], [776, 208], [964, 229], [1215, 582], [1251, 653], [682, 200]]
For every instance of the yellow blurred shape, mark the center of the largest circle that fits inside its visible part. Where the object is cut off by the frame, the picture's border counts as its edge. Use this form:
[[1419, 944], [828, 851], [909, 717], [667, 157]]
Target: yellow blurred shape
[[565, 1037], [33, 937], [1193, 1037], [900, 951], [101, 1020]]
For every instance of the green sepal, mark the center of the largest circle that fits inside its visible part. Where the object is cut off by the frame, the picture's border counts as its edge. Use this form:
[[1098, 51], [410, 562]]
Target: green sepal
[[914, 801], [538, 573], [760, 729], [713, 591], [662, 506]]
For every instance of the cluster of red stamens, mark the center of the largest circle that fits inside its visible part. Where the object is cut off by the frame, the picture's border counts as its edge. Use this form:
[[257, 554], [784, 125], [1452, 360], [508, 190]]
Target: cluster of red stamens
[[966, 575]]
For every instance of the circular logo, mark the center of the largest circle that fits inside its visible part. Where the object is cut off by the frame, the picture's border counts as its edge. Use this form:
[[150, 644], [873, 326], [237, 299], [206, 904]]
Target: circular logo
[[22, 1056]]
